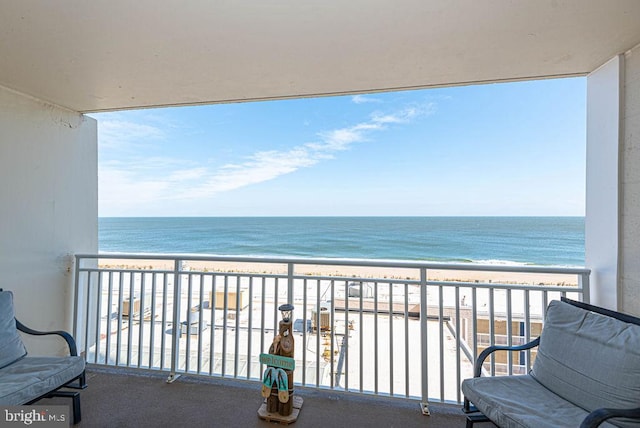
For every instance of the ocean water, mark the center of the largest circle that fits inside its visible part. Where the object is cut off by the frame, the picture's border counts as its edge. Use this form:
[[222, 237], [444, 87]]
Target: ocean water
[[500, 240]]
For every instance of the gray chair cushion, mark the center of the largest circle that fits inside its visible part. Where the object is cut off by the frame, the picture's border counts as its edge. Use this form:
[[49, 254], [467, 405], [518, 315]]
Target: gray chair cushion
[[520, 401], [31, 377], [589, 359], [11, 345]]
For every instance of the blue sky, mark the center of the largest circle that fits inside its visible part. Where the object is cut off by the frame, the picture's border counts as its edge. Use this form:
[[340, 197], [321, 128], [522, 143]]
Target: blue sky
[[497, 149]]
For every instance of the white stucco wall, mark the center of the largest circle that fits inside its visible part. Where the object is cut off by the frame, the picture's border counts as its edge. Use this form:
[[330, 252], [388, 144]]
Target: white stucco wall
[[629, 276], [612, 224], [48, 207], [602, 202]]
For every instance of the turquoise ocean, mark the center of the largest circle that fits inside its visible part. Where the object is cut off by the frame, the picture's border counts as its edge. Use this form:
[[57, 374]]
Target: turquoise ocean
[[487, 240]]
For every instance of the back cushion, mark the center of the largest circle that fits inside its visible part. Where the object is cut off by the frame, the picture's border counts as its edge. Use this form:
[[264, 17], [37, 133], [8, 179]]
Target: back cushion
[[589, 359], [11, 346]]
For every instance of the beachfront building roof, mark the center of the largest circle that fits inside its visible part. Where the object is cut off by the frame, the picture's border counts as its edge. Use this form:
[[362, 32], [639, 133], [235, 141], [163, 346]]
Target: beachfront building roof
[[62, 59]]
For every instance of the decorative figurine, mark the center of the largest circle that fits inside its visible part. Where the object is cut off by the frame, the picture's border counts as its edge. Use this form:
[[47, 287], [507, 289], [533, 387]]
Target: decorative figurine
[[277, 381]]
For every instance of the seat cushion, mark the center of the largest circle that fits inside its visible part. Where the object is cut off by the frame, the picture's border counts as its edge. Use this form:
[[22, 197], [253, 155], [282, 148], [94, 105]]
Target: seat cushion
[[521, 401], [589, 359], [11, 345], [31, 377]]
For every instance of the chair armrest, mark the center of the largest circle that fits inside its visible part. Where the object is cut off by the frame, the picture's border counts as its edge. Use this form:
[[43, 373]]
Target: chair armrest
[[598, 416], [491, 349], [73, 350]]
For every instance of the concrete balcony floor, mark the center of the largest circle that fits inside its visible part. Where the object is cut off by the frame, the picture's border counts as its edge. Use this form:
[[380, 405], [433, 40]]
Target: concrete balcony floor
[[121, 397]]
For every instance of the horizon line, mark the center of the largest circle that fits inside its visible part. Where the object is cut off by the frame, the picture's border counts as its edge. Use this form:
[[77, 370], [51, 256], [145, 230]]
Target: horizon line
[[353, 216]]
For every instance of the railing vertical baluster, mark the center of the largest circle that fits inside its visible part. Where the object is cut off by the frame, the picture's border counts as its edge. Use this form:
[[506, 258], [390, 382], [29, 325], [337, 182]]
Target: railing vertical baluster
[[345, 347], [98, 345], [109, 308], [141, 323], [262, 322], [424, 347], [458, 346], [492, 329], [212, 333], [441, 334], [187, 326], [290, 271], [527, 330], [361, 344], [250, 328], [407, 390], [332, 335], [509, 332], [175, 326], [165, 301], [225, 314], [318, 333], [276, 292], [201, 321], [304, 332], [130, 317], [391, 366], [474, 321], [152, 321], [375, 337], [120, 314], [236, 349]]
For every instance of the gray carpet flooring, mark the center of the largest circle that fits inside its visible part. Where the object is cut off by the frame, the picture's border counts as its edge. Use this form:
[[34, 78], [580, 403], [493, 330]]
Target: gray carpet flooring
[[134, 398]]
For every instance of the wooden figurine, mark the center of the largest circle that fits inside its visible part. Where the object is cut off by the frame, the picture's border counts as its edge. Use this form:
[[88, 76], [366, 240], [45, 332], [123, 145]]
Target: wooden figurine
[[277, 381]]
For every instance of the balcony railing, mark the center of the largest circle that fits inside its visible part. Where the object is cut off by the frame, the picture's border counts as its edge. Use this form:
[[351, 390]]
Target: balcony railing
[[394, 328]]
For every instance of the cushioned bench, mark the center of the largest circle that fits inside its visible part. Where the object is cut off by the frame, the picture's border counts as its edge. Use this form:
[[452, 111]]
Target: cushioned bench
[[25, 379], [586, 373]]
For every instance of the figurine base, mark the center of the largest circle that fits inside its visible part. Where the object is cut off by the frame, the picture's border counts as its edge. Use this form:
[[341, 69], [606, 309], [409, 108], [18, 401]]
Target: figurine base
[[277, 417]]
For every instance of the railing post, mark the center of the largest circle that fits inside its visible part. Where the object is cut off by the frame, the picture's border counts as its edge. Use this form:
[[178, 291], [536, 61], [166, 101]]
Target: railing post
[[424, 356], [583, 283], [76, 306], [176, 329], [82, 303]]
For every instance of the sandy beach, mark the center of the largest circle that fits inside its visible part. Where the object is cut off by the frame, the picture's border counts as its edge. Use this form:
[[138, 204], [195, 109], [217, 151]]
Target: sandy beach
[[348, 271]]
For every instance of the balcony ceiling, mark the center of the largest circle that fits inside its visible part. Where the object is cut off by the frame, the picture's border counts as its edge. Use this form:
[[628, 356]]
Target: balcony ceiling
[[120, 54]]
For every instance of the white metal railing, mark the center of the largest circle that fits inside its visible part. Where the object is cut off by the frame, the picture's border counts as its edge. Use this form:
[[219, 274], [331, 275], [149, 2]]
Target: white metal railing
[[388, 327]]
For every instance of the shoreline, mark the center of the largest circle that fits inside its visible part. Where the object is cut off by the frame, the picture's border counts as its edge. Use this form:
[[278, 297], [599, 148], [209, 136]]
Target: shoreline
[[363, 272]]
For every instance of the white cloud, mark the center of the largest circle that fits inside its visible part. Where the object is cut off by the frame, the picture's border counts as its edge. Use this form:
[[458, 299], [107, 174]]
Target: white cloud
[[124, 186], [362, 99], [183, 175], [116, 132], [405, 115], [261, 167]]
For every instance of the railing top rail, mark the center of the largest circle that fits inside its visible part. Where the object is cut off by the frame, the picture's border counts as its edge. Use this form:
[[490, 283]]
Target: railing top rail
[[410, 264]]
